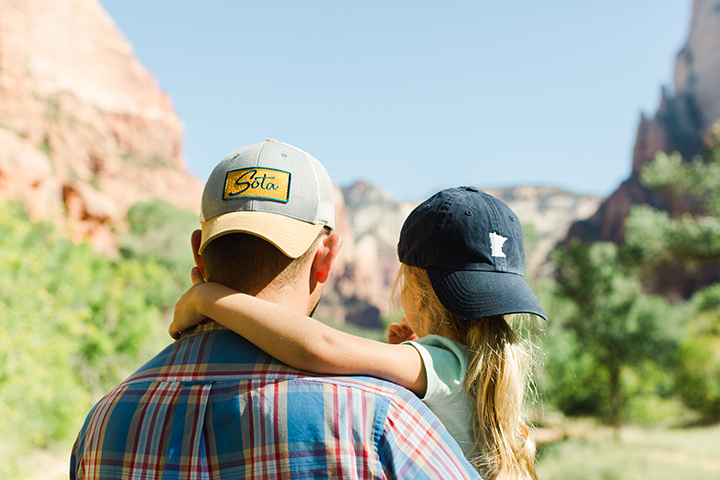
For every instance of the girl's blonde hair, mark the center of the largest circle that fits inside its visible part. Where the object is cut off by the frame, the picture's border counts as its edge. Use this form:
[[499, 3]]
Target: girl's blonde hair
[[497, 377]]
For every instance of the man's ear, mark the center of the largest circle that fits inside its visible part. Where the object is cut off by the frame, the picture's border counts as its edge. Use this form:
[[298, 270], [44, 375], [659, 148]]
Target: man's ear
[[325, 255], [195, 240]]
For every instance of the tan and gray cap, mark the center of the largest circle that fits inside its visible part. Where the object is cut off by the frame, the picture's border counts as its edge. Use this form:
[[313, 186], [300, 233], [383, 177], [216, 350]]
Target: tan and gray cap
[[272, 190]]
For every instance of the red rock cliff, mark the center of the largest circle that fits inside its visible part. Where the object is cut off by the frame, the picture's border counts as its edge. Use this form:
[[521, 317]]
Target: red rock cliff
[[680, 124], [85, 130]]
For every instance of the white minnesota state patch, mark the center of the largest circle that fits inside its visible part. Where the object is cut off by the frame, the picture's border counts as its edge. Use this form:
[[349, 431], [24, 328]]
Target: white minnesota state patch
[[496, 243]]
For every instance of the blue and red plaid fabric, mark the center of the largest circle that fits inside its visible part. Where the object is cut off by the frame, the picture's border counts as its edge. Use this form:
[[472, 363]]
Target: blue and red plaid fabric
[[213, 406]]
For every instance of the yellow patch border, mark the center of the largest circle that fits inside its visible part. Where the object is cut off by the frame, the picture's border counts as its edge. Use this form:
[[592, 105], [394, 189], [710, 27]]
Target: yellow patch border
[[229, 196]]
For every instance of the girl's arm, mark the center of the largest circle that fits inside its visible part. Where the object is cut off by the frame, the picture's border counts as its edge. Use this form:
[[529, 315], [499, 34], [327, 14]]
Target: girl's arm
[[296, 339]]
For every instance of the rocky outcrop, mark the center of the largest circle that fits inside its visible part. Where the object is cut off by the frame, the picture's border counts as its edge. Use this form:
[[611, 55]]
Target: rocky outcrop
[[697, 69], [546, 213], [370, 222], [376, 220], [681, 124], [85, 131]]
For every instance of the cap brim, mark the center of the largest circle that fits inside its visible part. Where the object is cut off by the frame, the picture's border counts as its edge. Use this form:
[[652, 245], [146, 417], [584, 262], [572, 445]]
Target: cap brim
[[480, 294], [293, 237]]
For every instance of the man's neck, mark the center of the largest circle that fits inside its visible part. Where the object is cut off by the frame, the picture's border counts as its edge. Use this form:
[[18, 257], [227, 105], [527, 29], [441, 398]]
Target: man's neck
[[288, 295]]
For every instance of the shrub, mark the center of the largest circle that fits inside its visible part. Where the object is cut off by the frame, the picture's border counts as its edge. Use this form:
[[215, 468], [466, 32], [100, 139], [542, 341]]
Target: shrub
[[73, 323]]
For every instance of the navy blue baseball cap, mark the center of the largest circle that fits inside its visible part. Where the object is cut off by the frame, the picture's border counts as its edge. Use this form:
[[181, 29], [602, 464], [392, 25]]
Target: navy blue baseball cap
[[471, 245]]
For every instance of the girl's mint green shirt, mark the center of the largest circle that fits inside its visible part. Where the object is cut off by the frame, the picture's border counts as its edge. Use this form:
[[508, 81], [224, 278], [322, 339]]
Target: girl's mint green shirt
[[445, 366]]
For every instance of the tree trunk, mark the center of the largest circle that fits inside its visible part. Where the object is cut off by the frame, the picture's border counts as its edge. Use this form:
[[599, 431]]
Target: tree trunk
[[615, 398]]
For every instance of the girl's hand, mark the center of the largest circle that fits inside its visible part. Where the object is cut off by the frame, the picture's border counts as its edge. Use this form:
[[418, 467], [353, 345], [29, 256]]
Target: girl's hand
[[186, 315], [398, 333]]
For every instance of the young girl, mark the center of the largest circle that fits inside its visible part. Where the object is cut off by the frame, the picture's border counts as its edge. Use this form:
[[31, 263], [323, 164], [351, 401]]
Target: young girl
[[460, 282]]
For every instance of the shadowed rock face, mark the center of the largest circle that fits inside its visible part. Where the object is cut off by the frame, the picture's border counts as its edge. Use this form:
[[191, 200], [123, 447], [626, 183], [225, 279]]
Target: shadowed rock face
[[680, 124], [85, 131]]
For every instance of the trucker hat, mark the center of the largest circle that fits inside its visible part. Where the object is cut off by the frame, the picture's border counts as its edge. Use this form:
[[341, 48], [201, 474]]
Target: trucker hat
[[471, 246], [272, 190]]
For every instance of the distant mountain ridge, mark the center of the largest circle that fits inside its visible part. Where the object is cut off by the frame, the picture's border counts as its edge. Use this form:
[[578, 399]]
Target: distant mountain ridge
[[370, 222]]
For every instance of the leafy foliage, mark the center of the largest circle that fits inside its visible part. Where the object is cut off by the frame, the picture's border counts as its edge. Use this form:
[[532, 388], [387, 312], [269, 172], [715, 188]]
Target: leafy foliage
[[653, 237], [643, 348], [610, 330], [571, 379], [161, 231], [73, 323], [698, 358]]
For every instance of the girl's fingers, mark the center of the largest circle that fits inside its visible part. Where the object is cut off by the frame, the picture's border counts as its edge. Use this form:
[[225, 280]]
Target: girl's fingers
[[196, 276], [400, 333], [394, 334]]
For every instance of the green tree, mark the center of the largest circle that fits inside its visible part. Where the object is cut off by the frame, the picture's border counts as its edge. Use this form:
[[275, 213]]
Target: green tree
[[609, 326], [654, 239], [653, 236], [160, 230], [698, 358]]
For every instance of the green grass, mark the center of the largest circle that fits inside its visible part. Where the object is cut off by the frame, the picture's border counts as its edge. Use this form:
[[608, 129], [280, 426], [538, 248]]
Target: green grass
[[591, 452]]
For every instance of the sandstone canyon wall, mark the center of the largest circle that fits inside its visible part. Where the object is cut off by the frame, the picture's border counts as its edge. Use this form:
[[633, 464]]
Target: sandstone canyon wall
[[85, 131], [681, 124]]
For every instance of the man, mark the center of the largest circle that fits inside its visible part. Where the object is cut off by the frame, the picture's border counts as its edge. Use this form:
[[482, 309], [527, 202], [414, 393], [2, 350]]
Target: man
[[213, 406]]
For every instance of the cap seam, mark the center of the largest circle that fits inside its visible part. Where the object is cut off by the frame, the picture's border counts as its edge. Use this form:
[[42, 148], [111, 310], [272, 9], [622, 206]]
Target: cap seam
[[252, 202], [499, 262], [317, 188], [440, 222]]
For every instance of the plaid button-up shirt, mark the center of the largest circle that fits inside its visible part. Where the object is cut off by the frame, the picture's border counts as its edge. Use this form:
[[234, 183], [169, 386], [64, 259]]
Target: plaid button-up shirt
[[213, 406]]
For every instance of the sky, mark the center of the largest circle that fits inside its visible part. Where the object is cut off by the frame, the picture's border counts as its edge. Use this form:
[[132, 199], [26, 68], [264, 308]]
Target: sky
[[416, 96]]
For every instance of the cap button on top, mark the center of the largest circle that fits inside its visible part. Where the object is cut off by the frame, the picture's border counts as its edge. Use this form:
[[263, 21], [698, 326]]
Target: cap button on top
[[270, 140], [472, 189]]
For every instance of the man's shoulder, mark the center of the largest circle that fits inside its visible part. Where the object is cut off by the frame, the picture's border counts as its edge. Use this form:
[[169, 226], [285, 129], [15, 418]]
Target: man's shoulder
[[371, 385], [212, 353], [226, 385]]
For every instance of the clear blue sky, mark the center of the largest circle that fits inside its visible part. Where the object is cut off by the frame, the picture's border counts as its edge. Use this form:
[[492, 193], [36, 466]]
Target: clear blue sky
[[414, 96]]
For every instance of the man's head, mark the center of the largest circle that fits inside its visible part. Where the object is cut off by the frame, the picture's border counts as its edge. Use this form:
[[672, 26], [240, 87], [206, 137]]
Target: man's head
[[267, 212]]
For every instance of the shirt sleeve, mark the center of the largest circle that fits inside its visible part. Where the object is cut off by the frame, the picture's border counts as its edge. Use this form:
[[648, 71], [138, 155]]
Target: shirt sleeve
[[415, 444], [445, 363]]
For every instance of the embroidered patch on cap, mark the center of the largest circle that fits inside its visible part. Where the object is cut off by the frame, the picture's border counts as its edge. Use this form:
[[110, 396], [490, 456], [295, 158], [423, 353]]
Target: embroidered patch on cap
[[496, 244], [256, 182]]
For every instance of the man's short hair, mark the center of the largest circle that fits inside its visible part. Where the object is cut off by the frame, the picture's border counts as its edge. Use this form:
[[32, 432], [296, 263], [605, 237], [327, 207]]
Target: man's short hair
[[247, 263]]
